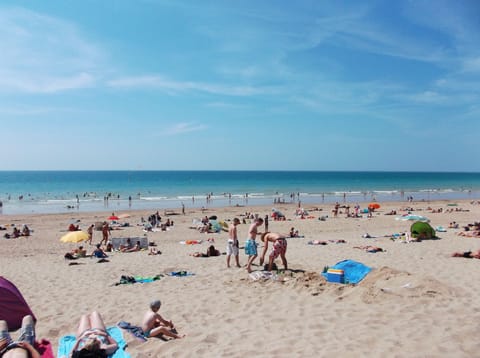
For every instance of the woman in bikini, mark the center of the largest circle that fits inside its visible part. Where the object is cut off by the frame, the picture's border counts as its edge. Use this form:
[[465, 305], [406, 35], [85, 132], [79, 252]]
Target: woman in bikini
[[92, 338], [279, 248]]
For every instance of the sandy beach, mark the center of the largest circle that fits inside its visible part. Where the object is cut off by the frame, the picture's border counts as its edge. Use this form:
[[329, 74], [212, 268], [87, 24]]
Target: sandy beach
[[417, 301]]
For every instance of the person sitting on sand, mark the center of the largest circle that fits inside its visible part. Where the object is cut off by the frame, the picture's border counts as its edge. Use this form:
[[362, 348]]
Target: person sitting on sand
[[154, 324], [79, 252], [23, 346], [25, 230], [279, 248], [369, 248], [136, 247], [154, 251], [453, 225], [73, 227], [99, 253], [211, 251], [93, 339], [16, 233], [467, 254], [293, 232], [128, 245]]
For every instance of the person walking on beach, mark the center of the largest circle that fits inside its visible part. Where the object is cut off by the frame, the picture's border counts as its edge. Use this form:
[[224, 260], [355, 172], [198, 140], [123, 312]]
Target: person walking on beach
[[105, 232], [265, 222], [279, 248], [232, 244], [90, 233], [251, 244]]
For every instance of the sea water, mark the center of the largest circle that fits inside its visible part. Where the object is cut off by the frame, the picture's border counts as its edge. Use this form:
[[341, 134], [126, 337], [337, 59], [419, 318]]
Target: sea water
[[23, 192]]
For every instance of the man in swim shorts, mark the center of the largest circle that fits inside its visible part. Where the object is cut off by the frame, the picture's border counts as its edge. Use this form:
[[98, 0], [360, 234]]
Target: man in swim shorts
[[279, 248], [154, 324], [232, 244], [251, 243]]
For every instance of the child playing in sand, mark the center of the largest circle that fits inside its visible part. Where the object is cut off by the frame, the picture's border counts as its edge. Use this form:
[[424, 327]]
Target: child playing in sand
[[153, 324]]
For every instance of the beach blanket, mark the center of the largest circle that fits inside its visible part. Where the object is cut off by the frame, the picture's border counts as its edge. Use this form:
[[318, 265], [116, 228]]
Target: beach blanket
[[137, 279], [181, 273], [66, 343], [136, 331], [191, 242], [413, 218], [354, 271]]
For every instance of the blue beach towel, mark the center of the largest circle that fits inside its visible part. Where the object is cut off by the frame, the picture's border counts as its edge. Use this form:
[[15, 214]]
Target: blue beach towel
[[181, 273], [66, 343], [134, 330], [354, 271]]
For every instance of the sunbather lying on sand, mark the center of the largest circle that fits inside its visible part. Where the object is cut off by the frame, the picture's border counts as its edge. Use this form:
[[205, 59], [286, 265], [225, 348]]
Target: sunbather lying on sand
[[137, 247], [317, 242], [211, 251], [467, 254], [474, 233], [369, 248]]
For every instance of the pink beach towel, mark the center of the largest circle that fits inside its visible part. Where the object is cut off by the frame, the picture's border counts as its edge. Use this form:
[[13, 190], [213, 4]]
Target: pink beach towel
[[44, 347]]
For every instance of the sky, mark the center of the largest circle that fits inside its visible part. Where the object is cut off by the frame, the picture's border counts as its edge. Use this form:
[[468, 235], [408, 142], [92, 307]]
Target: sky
[[240, 85]]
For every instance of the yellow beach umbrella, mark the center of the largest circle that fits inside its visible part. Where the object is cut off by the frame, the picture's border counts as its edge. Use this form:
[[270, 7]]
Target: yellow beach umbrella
[[74, 236]]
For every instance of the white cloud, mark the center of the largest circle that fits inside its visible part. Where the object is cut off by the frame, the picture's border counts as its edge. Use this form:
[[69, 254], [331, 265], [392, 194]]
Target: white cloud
[[43, 83], [43, 54], [472, 65], [184, 127], [171, 86]]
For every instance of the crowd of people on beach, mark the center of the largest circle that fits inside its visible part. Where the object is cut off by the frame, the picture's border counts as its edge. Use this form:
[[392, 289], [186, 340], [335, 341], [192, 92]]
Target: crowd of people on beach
[[92, 337]]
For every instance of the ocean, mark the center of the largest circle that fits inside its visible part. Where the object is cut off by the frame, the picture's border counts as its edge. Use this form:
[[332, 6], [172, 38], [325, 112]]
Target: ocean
[[24, 192]]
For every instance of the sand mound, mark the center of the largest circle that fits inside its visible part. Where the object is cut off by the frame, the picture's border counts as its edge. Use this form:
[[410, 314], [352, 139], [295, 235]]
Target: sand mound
[[380, 285], [387, 284]]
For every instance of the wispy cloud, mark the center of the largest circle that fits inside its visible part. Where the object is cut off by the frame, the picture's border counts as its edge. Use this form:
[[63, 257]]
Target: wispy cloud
[[43, 54], [184, 127], [43, 83], [172, 86]]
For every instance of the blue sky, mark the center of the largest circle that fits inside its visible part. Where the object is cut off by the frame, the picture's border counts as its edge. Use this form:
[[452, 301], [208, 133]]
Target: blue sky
[[280, 85]]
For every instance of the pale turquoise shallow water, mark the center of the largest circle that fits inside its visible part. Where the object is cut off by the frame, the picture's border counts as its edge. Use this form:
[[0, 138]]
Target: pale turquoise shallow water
[[53, 191]]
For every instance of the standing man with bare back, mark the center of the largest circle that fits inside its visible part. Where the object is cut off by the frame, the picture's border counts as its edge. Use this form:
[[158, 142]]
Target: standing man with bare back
[[251, 244], [232, 244]]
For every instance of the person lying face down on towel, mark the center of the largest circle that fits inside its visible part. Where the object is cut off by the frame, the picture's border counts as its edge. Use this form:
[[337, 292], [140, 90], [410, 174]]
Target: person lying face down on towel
[[468, 254], [279, 248], [369, 248]]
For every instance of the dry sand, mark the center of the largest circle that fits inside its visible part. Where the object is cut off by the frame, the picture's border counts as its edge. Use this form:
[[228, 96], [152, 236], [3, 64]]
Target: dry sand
[[417, 302]]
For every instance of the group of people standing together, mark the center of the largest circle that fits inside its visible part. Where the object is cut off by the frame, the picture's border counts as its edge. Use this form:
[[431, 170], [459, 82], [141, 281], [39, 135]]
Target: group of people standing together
[[278, 243]]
